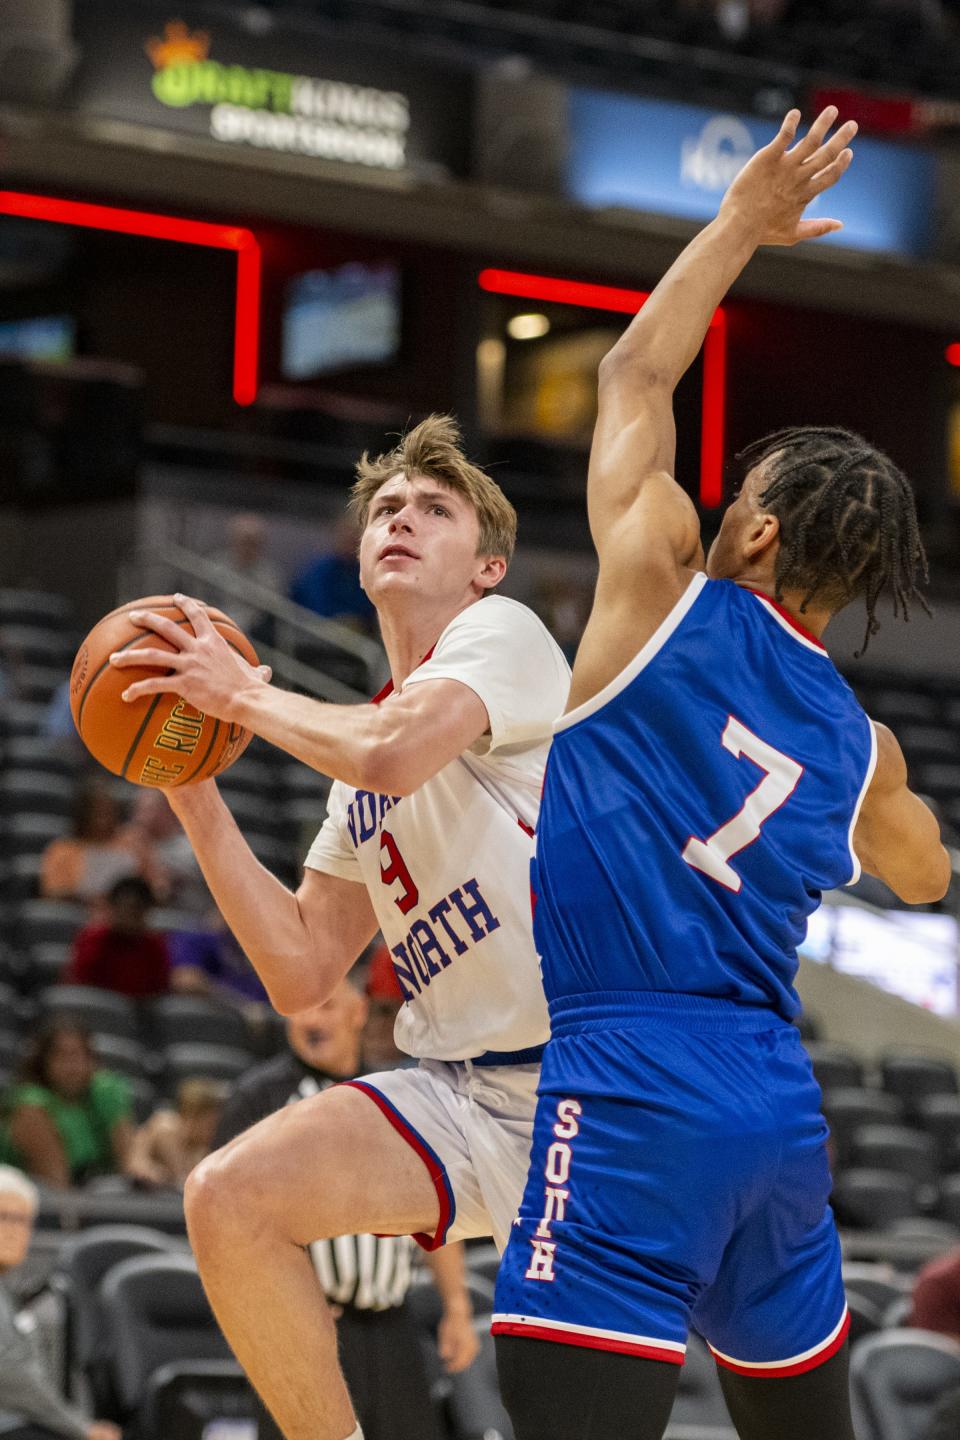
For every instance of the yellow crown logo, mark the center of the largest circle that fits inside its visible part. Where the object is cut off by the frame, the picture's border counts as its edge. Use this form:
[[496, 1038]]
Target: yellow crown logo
[[178, 46]]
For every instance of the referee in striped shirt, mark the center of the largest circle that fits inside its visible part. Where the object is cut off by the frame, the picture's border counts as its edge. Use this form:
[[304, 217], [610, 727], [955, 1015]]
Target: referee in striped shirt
[[365, 1277]]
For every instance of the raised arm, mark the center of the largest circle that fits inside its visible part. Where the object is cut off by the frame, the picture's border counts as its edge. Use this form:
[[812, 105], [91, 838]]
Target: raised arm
[[644, 525], [897, 837], [764, 205]]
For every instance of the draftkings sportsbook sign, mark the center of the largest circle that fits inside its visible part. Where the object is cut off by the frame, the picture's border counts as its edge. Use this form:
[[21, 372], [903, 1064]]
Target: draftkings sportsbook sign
[[287, 91]]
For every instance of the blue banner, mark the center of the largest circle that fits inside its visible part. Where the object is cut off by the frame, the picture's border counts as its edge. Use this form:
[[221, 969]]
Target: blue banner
[[679, 159]]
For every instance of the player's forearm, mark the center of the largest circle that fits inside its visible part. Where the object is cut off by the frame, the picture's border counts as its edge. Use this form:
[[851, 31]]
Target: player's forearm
[[665, 336], [262, 913], [450, 1277], [342, 741]]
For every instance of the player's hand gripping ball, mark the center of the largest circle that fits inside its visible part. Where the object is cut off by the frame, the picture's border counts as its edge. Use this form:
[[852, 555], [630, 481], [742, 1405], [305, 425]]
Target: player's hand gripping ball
[[156, 740]]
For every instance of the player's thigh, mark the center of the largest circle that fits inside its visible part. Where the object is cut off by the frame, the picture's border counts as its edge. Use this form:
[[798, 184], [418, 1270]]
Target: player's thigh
[[328, 1165], [794, 1407]]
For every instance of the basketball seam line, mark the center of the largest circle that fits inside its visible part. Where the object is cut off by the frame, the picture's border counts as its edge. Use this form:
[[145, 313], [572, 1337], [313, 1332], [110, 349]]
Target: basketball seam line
[[213, 740], [139, 735]]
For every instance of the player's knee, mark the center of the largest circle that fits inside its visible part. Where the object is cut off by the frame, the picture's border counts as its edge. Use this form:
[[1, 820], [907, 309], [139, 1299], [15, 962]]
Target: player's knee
[[214, 1200]]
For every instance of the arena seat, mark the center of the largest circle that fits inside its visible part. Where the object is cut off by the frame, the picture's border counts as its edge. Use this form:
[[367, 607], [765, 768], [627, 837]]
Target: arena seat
[[36, 792], [895, 1147], [30, 834], [208, 1062], [940, 1117], [34, 607], [21, 717], [38, 644], [190, 1019], [38, 753], [913, 1077], [103, 1011], [866, 1318], [127, 1057], [846, 1110], [897, 1378], [197, 1400], [156, 1315], [874, 1281], [83, 1262], [873, 1199], [950, 1199], [835, 1067]]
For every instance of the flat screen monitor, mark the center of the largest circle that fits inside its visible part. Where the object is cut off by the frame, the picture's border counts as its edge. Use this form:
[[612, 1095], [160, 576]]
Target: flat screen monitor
[[336, 319], [40, 337], [911, 954]]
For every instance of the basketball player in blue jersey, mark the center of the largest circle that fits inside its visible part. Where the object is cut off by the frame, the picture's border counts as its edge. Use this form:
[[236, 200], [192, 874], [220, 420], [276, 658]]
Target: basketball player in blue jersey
[[712, 776]]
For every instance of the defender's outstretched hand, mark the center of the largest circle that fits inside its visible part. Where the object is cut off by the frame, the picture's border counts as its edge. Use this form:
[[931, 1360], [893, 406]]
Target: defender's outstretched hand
[[777, 184]]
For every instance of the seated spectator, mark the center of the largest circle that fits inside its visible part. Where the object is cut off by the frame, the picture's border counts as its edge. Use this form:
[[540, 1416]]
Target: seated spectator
[[211, 962], [121, 953], [330, 584], [168, 864], [30, 1405], [385, 999], [167, 1147], [936, 1296], [68, 1120], [84, 865]]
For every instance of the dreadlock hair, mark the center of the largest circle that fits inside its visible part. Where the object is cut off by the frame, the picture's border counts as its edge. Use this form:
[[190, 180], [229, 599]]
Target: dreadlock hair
[[848, 521]]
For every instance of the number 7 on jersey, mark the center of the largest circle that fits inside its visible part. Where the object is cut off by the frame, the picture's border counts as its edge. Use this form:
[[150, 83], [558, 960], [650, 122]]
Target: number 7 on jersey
[[712, 856]]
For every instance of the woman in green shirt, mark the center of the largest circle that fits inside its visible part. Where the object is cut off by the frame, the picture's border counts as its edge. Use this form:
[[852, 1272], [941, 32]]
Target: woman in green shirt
[[68, 1120]]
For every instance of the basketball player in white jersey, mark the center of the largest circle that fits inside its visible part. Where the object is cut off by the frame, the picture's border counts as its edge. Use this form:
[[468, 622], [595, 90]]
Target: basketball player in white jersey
[[428, 838]]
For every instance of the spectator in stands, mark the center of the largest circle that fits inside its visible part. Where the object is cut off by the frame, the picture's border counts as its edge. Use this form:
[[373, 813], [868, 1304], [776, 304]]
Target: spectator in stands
[[167, 1147], [330, 584], [365, 1277], [121, 953], [936, 1296], [84, 865], [210, 962], [245, 553], [168, 863], [30, 1406], [384, 998], [69, 1120]]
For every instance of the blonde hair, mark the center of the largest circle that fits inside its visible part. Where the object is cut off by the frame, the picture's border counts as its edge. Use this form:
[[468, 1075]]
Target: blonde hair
[[433, 449]]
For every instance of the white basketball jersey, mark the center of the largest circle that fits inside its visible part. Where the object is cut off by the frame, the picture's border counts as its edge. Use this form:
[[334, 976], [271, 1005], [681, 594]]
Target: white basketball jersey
[[448, 867]]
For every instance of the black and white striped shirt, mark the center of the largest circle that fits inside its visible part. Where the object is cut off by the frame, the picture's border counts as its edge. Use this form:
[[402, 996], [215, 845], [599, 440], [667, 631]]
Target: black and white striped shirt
[[362, 1272]]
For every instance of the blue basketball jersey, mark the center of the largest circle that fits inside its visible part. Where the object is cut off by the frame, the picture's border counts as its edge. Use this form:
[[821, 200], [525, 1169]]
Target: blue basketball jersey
[[695, 809]]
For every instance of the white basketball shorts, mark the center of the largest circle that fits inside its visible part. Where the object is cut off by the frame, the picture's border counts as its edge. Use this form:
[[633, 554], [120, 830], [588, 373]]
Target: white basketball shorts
[[472, 1127]]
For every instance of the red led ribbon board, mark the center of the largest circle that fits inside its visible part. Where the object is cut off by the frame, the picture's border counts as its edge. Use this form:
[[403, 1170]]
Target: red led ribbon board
[[242, 242], [628, 302]]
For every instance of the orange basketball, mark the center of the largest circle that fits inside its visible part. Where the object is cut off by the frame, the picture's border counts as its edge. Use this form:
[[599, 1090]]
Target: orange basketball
[[158, 740]]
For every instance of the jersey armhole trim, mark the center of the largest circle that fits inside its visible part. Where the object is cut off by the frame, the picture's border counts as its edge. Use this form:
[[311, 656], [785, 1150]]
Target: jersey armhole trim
[[640, 661], [871, 767]]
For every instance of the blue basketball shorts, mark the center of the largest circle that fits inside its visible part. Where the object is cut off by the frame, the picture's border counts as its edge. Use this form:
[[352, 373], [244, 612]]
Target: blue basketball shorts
[[678, 1178]]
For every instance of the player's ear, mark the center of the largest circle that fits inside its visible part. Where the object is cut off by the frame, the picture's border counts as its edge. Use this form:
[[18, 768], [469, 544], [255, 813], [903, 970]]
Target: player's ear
[[763, 531], [491, 572]]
